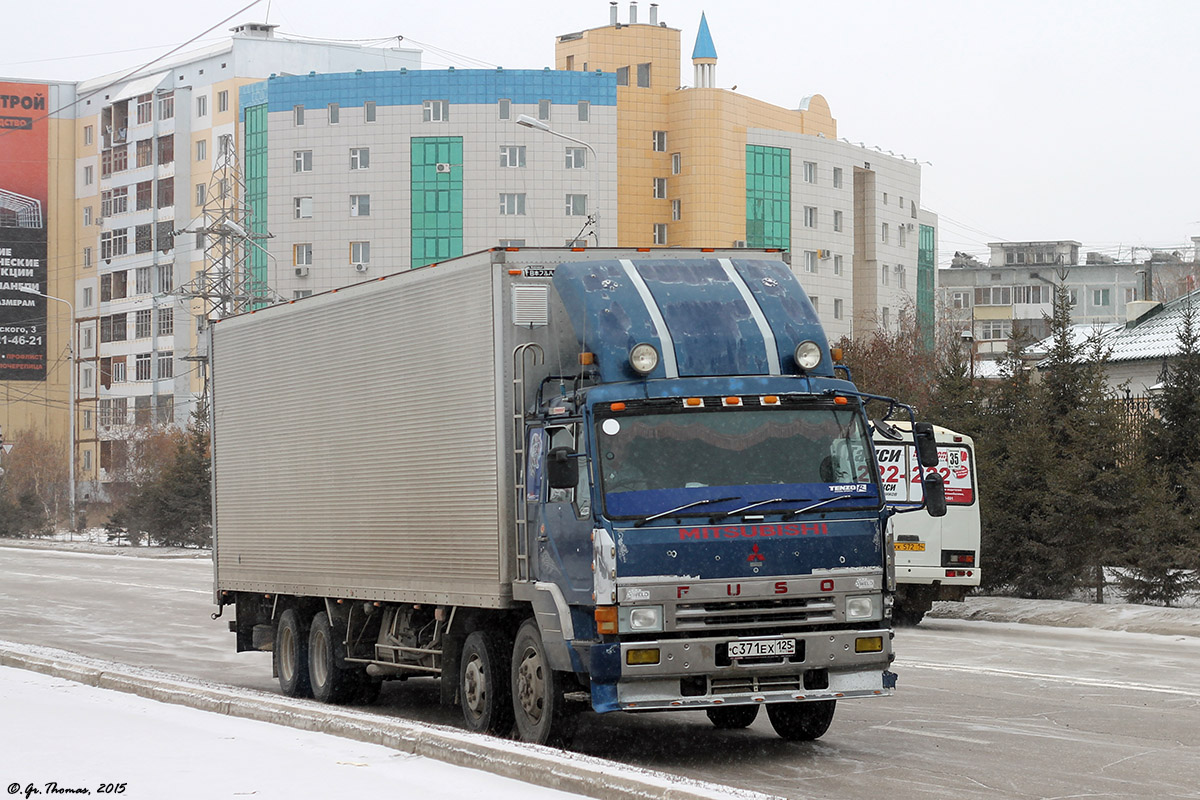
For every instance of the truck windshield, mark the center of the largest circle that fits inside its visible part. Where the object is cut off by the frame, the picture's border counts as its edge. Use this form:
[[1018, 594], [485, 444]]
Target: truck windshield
[[648, 463]]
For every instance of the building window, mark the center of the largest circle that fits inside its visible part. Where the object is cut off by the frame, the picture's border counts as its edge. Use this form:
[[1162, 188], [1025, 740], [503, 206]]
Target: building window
[[1031, 294], [622, 76], [334, 113], [142, 280], [142, 323], [512, 155], [837, 265], [144, 152], [166, 106], [120, 408], [360, 252], [993, 296], [659, 143], [577, 205], [360, 205], [885, 316], [884, 233], [512, 242], [87, 257], [584, 111], [202, 106], [166, 364], [1100, 297], [166, 279], [576, 157], [165, 235], [883, 275], [302, 161], [145, 106], [885, 198], [837, 177], [543, 110], [223, 101], [1130, 295], [643, 76], [810, 261], [369, 111], [360, 157], [504, 108], [676, 163], [144, 195], [302, 207], [837, 308], [435, 110], [89, 175], [114, 243], [88, 296], [902, 276], [676, 210], [302, 254], [810, 172], [810, 217], [512, 205], [960, 300], [900, 231], [87, 215], [660, 233], [201, 194], [141, 369], [995, 329], [166, 321], [300, 294], [660, 188], [837, 220], [166, 192], [298, 115], [89, 134], [166, 150], [816, 302]]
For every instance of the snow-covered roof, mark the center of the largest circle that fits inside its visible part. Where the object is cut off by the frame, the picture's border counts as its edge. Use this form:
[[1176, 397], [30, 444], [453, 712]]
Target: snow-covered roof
[[1081, 334], [1155, 335]]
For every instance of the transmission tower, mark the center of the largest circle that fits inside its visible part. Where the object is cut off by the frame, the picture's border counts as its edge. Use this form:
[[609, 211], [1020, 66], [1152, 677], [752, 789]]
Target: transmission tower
[[225, 284]]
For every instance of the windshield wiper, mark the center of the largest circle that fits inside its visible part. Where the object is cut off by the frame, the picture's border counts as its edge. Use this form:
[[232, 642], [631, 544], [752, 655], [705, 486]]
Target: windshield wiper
[[718, 517], [684, 507], [789, 514]]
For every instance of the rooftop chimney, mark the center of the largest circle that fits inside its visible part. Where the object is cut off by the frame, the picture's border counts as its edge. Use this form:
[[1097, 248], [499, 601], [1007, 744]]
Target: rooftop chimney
[[612, 12], [633, 12], [254, 30], [654, 13]]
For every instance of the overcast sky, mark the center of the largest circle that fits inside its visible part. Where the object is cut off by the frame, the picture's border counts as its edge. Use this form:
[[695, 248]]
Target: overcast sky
[[1070, 119]]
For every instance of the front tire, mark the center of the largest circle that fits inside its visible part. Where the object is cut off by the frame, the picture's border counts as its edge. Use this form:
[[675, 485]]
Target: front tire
[[537, 694], [291, 654], [330, 682], [801, 722], [483, 684], [728, 718]]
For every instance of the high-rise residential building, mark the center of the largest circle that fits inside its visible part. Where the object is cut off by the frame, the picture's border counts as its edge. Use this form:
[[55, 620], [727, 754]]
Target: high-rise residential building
[[703, 166]]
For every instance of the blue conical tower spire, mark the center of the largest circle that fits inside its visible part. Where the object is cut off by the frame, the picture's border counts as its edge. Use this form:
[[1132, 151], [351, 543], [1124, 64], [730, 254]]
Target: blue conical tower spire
[[704, 44]]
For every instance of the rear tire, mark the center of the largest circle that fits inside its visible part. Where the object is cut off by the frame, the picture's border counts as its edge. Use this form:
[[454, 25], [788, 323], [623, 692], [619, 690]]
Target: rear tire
[[484, 687], [537, 693], [291, 654], [330, 682], [728, 718], [801, 722]]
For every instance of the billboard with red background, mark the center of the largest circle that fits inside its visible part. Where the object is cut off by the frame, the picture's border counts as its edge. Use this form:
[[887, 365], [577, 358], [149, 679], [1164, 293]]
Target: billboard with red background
[[24, 110]]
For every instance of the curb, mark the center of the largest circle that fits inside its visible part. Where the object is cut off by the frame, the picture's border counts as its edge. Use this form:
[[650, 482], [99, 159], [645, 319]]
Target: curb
[[542, 766]]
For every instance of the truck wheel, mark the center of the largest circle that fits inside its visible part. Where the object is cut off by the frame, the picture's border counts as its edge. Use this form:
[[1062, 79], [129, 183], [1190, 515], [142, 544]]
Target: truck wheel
[[801, 722], [330, 683], [291, 655], [537, 693], [483, 684], [728, 718], [905, 616]]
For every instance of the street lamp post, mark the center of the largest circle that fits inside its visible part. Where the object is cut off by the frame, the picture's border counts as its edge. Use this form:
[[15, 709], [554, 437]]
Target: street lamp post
[[593, 217], [70, 398]]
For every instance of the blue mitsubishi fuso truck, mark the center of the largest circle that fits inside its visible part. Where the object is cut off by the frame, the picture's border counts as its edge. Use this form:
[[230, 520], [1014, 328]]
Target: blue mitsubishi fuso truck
[[557, 480]]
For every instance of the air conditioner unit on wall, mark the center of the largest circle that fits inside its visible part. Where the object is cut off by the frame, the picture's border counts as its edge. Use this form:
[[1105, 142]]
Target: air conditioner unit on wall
[[360, 267], [910, 226], [739, 243], [443, 167], [301, 272], [824, 254]]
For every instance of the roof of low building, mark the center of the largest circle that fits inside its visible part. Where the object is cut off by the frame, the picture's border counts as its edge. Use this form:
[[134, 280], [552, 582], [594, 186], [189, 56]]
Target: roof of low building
[[1156, 334]]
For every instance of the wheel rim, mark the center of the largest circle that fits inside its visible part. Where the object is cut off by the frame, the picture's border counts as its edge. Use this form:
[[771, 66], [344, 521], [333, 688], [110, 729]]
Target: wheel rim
[[320, 659], [531, 683], [474, 686], [287, 654]]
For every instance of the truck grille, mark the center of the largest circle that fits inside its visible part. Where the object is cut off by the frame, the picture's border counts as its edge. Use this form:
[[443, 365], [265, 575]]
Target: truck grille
[[747, 684], [754, 613]]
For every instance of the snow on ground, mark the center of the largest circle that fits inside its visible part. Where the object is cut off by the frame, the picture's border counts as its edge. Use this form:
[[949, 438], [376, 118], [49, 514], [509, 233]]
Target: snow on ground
[[60, 732]]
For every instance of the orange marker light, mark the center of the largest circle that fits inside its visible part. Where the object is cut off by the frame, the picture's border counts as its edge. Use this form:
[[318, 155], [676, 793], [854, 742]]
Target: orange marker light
[[840, 401], [606, 619], [514, 272], [732, 401], [836, 352], [617, 406], [769, 400], [587, 359], [693, 402]]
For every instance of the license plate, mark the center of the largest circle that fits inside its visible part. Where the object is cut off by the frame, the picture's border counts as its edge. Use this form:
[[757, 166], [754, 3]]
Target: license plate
[[762, 648], [919, 546]]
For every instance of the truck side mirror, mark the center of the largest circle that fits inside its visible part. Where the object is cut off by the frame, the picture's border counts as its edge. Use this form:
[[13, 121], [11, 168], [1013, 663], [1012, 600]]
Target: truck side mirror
[[926, 444], [561, 472], [935, 494]]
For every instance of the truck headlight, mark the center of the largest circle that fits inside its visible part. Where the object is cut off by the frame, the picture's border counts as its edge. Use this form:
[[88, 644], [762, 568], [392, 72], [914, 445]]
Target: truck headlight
[[643, 358], [860, 607], [641, 619], [807, 355]]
